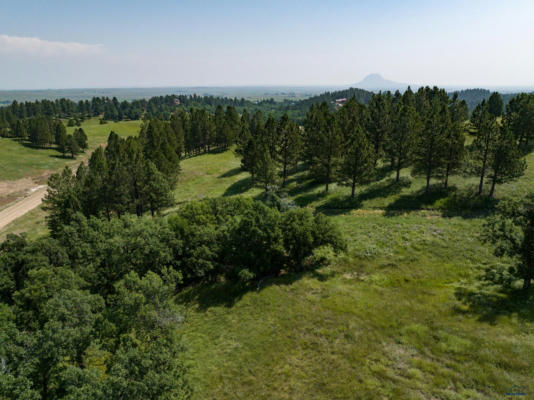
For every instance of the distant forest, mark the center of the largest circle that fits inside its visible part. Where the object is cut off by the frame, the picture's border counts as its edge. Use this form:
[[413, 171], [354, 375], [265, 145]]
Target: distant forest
[[111, 109]]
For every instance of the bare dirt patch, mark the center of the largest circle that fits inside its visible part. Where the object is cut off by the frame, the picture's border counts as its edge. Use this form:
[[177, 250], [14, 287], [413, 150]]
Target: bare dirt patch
[[8, 188]]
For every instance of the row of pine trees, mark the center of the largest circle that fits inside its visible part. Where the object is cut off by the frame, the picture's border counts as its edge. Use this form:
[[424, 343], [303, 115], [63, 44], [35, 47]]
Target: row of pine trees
[[425, 131], [42, 131]]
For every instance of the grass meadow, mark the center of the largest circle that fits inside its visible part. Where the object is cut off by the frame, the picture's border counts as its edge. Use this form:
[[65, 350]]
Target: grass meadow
[[20, 160], [380, 321]]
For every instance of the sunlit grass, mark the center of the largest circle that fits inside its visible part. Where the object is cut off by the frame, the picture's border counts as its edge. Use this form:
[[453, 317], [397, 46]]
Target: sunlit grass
[[380, 321], [20, 160]]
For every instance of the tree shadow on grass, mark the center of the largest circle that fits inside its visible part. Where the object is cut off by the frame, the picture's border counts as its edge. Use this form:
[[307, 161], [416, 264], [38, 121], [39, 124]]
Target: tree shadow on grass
[[490, 305], [227, 294], [340, 204], [305, 199], [231, 172], [383, 172], [303, 186], [384, 188], [451, 202], [239, 187], [62, 157], [30, 145], [418, 200]]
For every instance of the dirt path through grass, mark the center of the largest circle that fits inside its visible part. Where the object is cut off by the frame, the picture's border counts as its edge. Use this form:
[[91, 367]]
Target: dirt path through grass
[[21, 207]]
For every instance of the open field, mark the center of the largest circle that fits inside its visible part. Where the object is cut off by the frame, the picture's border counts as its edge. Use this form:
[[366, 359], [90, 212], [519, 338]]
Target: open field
[[18, 160], [380, 321]]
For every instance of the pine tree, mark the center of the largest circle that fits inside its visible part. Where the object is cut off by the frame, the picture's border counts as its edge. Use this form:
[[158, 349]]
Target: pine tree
[[62, 200], [324, 143], [270, 137], [455, 138], [20, 131], [156, 189], [379, 123], [520, 117], [289, 145], [81, 138], [177, 126], [244, 134], [431, 147], [71, 146], [254, 146], [232, 125], [94, 197], [357, 165], [402, 141], [265, 168], [495, 104], [486, 139], [249, 157], [505, 162], [219, 121]]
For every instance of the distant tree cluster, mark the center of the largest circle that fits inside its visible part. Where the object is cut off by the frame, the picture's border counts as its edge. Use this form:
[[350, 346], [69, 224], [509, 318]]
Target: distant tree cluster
[[132, 175], [42, 131], [267, 147], [112, 109], [203, 131]]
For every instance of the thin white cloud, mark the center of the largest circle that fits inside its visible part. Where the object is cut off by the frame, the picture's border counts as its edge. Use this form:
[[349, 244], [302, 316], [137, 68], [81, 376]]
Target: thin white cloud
[[40, 47]]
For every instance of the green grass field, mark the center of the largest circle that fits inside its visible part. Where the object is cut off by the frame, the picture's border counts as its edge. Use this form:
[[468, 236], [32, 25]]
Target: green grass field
[[378, 322], [18, 160]]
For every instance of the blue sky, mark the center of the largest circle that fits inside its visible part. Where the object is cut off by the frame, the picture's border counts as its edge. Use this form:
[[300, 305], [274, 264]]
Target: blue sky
[[61, 44]]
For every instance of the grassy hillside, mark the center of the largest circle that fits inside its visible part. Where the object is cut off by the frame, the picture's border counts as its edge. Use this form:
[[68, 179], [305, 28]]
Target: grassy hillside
[[19, 160], [380, 321]]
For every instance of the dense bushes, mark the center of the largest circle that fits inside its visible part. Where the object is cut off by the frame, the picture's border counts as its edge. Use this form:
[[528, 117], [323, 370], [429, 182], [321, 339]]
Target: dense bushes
[[90, 312], [244, 239]]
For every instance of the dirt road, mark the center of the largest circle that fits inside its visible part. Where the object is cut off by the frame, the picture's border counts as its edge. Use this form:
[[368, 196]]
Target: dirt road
[[22, 206]]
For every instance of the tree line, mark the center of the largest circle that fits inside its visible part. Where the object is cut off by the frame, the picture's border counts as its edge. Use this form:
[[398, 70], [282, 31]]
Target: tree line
[[111, 109], [425, 131], [42, 131]]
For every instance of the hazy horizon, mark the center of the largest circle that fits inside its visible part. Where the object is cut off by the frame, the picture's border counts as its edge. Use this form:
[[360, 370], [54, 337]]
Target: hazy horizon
[[57, 45]]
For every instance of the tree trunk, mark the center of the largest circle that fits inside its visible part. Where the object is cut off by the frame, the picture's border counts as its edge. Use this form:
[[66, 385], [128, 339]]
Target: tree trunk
[[447, 170], [353, 187], [493, 182], [44, 392], [327, 175], [284, 174], [398, 170], [481, 184], [428, 173]]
